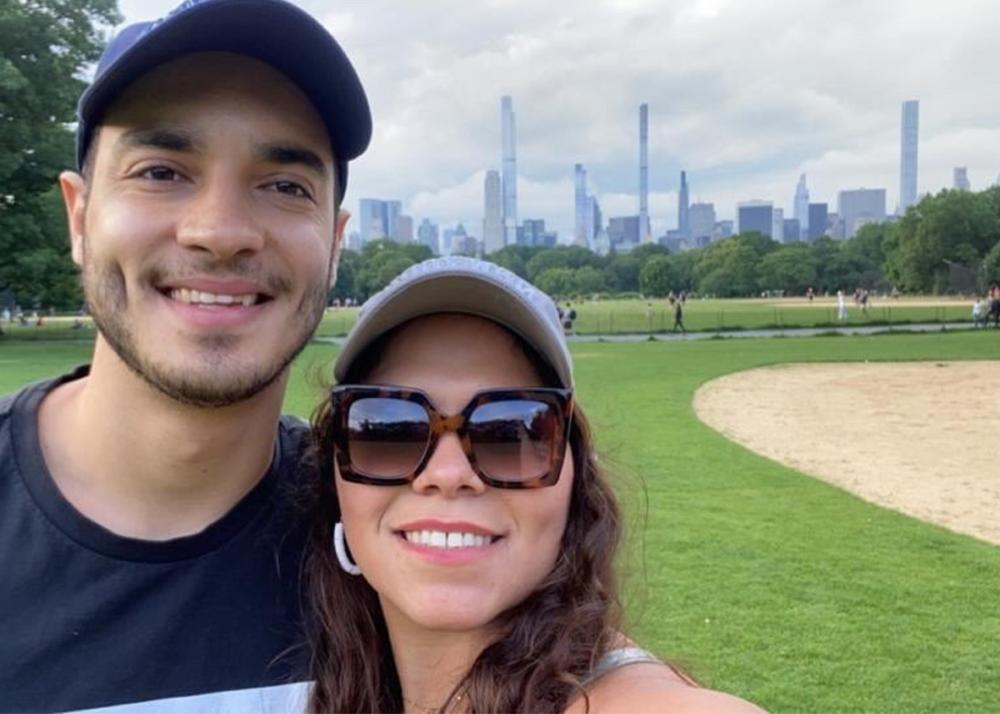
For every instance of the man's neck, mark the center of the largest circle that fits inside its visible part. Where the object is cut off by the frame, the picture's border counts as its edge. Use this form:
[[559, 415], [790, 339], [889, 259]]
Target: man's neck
[[146, 466]]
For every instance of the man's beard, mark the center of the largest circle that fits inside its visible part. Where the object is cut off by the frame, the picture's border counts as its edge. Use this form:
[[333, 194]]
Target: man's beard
[[106, 295]]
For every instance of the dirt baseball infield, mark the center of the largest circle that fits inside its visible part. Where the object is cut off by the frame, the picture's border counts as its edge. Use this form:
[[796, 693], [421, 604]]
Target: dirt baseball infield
[[922, 438]]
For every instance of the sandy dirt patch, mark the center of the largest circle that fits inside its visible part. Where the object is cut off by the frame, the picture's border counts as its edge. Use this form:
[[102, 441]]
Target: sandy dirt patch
[[922, 438]]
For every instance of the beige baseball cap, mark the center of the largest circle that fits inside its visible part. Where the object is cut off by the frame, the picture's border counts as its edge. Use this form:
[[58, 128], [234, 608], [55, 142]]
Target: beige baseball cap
[[463, 285]]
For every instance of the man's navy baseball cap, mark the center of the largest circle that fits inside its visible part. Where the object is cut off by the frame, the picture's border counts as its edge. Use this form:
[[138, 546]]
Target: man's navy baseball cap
[[272, 31]]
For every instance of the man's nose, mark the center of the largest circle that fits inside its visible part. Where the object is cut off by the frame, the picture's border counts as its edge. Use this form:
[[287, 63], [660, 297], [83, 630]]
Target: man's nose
[[220, 219]]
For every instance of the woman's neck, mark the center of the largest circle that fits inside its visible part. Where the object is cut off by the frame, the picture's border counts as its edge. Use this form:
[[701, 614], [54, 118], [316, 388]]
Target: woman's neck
[[432, 663]]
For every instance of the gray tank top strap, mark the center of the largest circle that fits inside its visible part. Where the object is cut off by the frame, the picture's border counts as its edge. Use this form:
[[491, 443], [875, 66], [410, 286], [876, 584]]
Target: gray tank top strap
[[620, 657]]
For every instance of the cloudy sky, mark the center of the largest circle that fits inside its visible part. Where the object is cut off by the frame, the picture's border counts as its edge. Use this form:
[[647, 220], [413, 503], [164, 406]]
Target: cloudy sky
[[744, 94]]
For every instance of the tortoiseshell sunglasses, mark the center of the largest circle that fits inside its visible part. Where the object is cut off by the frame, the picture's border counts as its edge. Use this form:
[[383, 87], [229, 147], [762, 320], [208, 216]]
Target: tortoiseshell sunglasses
[[513, 438]]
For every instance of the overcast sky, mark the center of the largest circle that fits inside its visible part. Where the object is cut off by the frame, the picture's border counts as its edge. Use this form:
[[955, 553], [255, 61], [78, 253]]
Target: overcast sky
[[744, 95]]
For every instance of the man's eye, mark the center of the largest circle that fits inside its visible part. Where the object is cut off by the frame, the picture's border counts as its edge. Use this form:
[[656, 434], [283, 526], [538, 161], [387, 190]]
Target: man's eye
[[160, 173], [291, 188]]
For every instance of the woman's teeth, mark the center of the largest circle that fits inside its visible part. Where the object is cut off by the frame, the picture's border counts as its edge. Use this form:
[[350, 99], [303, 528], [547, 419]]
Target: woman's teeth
[[440, 539], [197, 297]]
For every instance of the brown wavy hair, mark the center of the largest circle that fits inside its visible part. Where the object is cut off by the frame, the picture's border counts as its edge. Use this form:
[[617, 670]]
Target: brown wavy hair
[[547, 644]]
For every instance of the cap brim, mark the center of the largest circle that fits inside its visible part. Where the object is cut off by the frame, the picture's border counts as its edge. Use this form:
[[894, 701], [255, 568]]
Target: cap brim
[[456, 293]]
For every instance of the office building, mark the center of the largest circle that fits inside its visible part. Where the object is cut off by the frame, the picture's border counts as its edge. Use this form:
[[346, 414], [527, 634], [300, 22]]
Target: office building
[[404, 229], [644, 230], [493, 229], [509, 169], [860, 206], [909, 135], [755, 216], [777, 223], [817, 221], [427, 234], [961, 179], [372, 215], [381, 219], [623, 232], [722, 230], [701, 220], [792, 231], [801, 211], [683, 216]]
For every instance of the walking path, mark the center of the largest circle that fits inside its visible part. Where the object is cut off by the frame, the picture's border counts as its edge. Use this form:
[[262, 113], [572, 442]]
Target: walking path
[[787, 332]]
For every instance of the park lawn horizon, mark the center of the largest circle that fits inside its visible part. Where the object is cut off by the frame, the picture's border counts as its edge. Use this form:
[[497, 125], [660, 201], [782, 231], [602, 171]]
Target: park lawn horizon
[[762, 581], [653, 315]]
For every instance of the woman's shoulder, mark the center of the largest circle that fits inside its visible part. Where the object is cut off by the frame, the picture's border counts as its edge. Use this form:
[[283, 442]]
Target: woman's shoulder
[[654, 687]]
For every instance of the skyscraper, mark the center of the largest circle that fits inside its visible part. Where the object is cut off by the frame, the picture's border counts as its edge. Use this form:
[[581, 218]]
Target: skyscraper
[[493, 233], [427, 234], [961, 179], [860, 206], [909, 135], [645, 234], [817, 221], [801, 210], [701, 220], [777, 224], [755, 216], [509, 132], [580, 205], [683, 216]]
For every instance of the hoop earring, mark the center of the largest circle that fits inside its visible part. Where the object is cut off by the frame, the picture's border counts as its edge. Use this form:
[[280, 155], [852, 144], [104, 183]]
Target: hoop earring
[[340, 548]]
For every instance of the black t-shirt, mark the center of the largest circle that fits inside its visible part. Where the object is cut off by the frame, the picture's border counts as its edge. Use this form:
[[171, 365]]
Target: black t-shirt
[[92, 619]]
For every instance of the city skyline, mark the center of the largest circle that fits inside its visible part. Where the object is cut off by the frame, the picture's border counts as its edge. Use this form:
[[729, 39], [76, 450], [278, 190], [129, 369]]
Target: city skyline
[[745, 118]]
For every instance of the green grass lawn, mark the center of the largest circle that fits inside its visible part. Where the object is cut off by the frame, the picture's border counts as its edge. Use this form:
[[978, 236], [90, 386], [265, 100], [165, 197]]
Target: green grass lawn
[[762, 581], [638, 316]]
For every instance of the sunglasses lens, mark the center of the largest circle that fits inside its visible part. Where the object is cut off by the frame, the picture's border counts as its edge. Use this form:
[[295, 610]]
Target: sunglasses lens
[[515, 440], [386, 438]]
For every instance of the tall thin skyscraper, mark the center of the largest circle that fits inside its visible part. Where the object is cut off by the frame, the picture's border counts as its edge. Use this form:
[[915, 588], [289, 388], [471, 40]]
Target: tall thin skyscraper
[[909, 136], [645, 234], [683, 208], [492, 213], [509, 132], [801, 210], [580, 204]]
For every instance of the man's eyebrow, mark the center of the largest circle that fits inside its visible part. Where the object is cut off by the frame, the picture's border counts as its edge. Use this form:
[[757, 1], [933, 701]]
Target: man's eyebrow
[[159, 138], [292, 154]]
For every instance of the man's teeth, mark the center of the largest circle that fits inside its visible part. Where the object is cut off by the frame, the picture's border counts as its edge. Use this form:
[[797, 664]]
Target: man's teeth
[[197, 297], [440, 539]]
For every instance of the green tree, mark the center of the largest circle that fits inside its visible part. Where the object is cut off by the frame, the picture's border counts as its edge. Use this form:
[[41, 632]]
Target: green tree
[[791, 268], [44, 47], [515, 258], [563, 256], [950, 227], [991, 267], [557, 282], [729, 268], [622, 273], [658, 277], [588, 280]]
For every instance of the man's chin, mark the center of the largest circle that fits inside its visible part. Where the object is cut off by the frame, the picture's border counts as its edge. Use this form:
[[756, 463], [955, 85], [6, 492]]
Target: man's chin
[[217, 387]]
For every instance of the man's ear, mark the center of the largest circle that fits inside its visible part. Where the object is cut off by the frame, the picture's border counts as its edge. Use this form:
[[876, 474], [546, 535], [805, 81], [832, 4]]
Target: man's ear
[[338, 243], [74, 192]]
